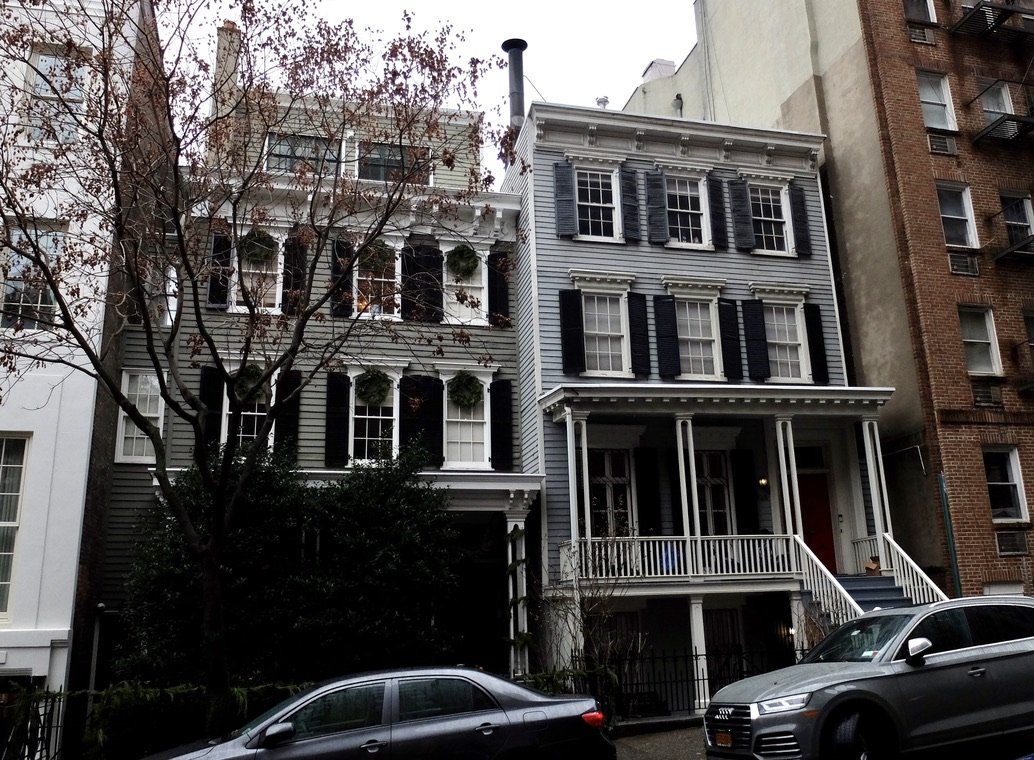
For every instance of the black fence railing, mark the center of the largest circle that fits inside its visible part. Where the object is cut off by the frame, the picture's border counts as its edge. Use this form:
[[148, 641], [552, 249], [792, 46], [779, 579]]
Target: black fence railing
[[658, 683], [30, 725]]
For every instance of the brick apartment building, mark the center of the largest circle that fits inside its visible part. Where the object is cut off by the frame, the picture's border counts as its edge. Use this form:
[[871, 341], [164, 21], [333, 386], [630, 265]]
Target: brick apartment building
[[928, 173]]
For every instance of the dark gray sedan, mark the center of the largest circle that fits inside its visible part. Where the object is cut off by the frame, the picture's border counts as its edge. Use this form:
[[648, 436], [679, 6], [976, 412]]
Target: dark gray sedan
[[423, 713]]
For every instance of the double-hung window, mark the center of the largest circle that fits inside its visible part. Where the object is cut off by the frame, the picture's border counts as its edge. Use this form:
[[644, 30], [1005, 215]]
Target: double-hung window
[[1017, 215], [302, 153], [142, 390], [785, 333], [375, 404], [604, 324], [957, 216], [920, 10], [466, 285], [27, 298], [687, 221], [996, 102], [467, 436], [596, 197], [696, 318], [56, 97], [12, 473], [253, 411], [935, 98], [393, 164], [1004, 484], [979, 341], [768, 206], [377, 288]]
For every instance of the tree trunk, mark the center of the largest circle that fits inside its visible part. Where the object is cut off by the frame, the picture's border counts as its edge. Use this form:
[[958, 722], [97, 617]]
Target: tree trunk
[[221, 716]]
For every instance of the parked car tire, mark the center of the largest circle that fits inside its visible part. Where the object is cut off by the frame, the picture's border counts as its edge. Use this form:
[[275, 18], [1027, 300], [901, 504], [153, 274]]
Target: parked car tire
[[858, 737]]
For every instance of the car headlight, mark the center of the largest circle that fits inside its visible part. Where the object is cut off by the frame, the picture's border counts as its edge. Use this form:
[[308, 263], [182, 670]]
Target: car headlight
[[783, 704]]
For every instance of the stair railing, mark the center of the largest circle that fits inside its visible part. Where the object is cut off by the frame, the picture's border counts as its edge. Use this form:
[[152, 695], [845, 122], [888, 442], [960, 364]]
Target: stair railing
[[916, 584], [824, 586]]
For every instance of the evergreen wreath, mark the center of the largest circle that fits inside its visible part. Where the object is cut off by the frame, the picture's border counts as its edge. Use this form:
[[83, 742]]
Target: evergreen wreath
[[258, 245], [245, 379], [372, 386], [378, 255], [462, 261], [465, 390]]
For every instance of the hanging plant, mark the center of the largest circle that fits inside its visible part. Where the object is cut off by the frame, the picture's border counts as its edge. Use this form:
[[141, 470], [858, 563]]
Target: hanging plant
[[462, 261], [246, 379], [258, 245], [372, 387], [465, 390]]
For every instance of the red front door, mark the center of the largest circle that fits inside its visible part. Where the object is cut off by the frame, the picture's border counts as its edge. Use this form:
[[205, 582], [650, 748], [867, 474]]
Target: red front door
[[815, 516]]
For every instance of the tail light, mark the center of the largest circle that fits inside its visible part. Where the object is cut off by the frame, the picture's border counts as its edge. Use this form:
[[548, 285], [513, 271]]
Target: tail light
[[594, 718]]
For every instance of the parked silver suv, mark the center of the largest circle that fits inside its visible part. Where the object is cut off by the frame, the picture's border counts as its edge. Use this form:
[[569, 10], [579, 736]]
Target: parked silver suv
[[889, 681]]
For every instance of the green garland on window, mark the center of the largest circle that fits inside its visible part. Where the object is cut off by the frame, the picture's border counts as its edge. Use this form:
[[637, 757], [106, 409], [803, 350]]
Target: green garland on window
[[462, 261], [465, 390], [245, 379], [372, 387], [257, 245]]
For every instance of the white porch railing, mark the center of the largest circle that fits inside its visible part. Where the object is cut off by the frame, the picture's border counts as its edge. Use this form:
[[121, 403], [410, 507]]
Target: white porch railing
[[864, 550], [824, 587], [679, 556], [907, 574]]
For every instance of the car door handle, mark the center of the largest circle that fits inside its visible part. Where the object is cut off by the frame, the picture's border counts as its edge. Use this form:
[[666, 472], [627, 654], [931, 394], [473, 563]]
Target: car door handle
[[373, 746], [977, 672], [487, 728]]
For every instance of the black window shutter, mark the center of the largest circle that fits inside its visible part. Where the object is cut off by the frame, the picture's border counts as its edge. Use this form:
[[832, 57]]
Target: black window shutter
[[799, 217], [656, 208], [756, 339], [563, 194], [629, 205], [669, 362], [572, 332], [285, 434], [816, 343], [421, 283], [341, 272], [211, 395], [422, 415], [501, 403], [335, 441], [639, 334], [219, 274], [499, 289], [742, 219], [716, 207], [295, 261], [729, 330]]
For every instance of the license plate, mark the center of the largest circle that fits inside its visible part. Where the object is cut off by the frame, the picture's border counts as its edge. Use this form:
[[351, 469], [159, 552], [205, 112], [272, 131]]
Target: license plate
[[723, 739]]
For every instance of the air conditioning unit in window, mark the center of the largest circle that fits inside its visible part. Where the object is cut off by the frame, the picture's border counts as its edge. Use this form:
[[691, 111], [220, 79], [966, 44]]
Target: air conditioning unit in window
[[963, 263], [943, 144], [918, 33], [986, 393], [1011, 542]]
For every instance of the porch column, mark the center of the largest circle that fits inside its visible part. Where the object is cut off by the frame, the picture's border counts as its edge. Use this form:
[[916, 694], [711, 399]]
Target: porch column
[[877, 484], [788, 475], [701, 685], [517, 588], [687, 483], [798, 627]]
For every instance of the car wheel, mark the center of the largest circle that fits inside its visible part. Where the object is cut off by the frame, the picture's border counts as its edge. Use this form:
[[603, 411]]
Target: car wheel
[[856, 737]]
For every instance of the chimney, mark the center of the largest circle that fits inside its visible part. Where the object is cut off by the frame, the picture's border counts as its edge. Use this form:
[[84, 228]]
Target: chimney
[[515, 49]]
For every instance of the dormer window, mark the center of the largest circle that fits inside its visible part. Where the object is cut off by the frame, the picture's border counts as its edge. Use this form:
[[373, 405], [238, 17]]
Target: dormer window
[[302, 153], [393, 164]]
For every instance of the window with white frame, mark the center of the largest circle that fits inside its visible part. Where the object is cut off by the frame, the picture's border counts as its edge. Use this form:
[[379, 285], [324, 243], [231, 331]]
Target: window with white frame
[[697, 322], [142, 390], [377, 281], [1004, 484], [979, 341], [935, 98], [996, 102], [464, 294], [957, 216], [302, 153], [784, 330], [12, 474], [253, 411], [768, 205], [605, 331], [596, 199], [466, 419], [162, 291], [375, 404], [920, 10], [381, 162], [56, 97], [27, 300], [1017, 214], [687, 213]]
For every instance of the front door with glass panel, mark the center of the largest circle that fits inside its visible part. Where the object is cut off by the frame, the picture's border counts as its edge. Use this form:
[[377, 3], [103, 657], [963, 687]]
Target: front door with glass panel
[[717, 517], [610, 489]]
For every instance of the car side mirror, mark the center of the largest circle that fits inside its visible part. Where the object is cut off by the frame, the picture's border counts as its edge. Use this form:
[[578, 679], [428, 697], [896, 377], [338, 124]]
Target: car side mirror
[[916, 648], [278, 733]]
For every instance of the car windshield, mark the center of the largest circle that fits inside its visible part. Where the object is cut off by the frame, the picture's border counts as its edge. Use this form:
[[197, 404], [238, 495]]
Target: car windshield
[[861, 640]]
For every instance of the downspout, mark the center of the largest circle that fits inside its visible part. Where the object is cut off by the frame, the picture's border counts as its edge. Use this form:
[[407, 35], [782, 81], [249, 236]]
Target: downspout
[[949, 534]]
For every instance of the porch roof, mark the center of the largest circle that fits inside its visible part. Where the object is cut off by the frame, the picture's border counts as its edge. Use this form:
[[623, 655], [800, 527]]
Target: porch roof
[[704, 398]]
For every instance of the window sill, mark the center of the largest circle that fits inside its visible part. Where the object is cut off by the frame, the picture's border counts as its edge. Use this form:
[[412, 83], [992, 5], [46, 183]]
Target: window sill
[[776, 254], [479, 322], [613, 375], [457, 466], [689, 246], [790, 380], [700, 378], [379, 317], [953, 131], [1011, 523], [135, 460], [594, 239]]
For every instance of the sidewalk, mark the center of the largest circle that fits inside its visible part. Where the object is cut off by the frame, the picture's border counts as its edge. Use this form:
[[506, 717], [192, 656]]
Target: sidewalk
[[682, 743]]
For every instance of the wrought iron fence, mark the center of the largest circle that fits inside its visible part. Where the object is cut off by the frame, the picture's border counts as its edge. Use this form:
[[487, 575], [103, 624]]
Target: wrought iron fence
[[30, 722]]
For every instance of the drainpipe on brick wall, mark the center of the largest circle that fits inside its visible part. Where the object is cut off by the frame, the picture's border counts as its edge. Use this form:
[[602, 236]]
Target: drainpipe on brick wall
[[949, 534]]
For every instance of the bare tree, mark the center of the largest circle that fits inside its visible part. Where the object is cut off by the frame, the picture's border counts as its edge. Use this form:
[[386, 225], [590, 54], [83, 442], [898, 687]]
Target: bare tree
[[150, 161]]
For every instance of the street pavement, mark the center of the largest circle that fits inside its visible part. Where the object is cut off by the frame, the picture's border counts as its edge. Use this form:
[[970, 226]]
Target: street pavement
[[683, 743]]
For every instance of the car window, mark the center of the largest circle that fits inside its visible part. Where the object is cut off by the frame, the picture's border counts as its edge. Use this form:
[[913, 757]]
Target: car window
[[433, 697], [860, 640], [992, 624], [341, 710], [946, 629]]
